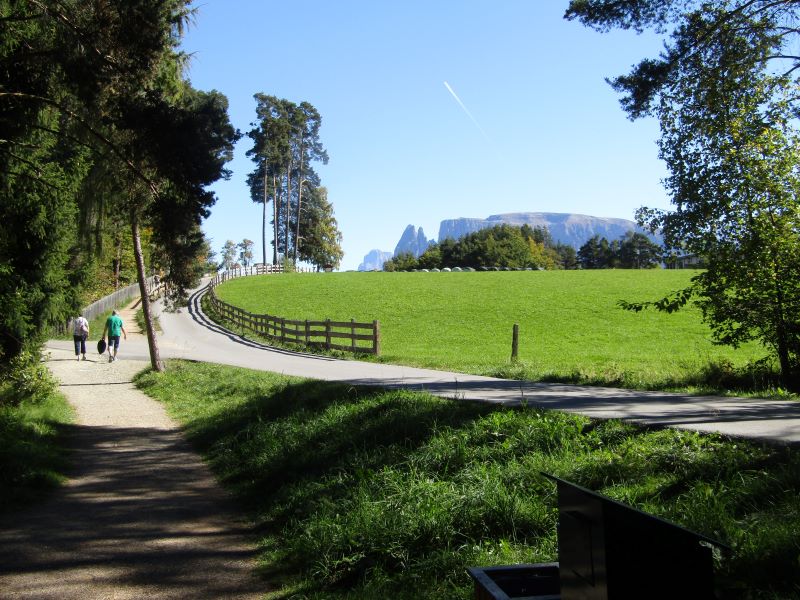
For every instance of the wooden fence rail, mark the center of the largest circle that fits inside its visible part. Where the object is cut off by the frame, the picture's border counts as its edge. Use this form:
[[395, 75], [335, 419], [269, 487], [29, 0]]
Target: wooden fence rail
[[349, 336]]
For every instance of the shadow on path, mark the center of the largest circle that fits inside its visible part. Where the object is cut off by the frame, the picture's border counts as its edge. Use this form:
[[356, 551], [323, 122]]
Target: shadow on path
[[140, 517]]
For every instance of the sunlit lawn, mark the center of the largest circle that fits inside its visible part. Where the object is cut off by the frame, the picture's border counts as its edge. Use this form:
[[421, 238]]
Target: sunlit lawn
[[571, 328], [373, 494]]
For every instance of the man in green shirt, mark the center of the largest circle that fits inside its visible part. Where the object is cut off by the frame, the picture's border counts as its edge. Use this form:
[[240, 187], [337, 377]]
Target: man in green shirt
[[114, 328]]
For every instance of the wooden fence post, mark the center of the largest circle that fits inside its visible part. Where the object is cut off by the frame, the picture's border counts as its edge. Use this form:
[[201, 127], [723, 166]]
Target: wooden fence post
[[306, 332], [353, 335], [327, 334], [376, 337], [515, 343], [283, 330]]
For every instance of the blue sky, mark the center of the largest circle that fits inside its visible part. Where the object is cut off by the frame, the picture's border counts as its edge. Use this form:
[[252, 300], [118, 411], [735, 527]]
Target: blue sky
[[537, 127]]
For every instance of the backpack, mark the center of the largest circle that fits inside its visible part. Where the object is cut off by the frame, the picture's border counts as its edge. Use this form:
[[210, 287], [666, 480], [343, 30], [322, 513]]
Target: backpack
[[83, 326]]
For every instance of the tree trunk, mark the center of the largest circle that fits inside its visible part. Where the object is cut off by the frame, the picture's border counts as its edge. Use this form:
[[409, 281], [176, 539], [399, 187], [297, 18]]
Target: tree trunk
[[155, 359], [264, 219], [275, 220], [299, 203], [288, 210], [788, 376], [117, 261]]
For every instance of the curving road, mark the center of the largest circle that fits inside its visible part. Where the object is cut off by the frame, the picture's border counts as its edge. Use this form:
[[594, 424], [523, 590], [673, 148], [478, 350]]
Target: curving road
[[192, 335]]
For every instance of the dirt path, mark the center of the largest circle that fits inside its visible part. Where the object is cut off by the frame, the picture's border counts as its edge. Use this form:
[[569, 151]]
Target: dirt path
[[141, 516]]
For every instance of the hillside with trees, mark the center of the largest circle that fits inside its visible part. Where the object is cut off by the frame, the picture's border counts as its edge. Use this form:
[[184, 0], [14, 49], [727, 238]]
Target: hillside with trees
[[631, 251], [502, 246]]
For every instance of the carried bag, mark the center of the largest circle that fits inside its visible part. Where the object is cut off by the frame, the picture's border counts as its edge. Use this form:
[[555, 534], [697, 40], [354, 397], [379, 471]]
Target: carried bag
[[101, 346]]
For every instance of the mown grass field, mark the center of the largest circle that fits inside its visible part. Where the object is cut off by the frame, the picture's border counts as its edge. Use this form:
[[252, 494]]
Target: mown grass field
[[571, 328], [361, 493]]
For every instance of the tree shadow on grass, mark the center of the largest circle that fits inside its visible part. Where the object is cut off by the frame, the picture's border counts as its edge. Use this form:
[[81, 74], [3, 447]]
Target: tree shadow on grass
[[324, 429], [309, 445], [32, 460]]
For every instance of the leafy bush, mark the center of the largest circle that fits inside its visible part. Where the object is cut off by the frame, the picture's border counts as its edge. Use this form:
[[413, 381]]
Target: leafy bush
[[24, 377]]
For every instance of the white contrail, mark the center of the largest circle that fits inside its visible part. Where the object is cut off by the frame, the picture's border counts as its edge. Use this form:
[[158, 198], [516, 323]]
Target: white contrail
[[469, 114]]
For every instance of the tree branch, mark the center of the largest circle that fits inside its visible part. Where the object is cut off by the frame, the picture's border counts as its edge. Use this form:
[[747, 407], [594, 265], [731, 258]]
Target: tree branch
[[102, 138]]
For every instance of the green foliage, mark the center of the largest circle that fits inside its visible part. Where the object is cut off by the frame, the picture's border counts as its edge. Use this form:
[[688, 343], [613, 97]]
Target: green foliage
[[502, 246], [246, 252], [25, 378], [99, 132], [405, 261], [285, 144], [228, 255], [695, 28], [363, 493], [321, 242], [730, 141], [571, 328], [37, 231], [186, 142], [727, 142], [32, 457], [632, 251]]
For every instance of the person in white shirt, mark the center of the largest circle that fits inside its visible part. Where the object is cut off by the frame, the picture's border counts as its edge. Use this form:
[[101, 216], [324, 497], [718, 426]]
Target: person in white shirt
[[80, 333]]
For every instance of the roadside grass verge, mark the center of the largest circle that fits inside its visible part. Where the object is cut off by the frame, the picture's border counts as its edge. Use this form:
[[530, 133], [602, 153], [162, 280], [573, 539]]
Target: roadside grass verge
[[366, 493], [140, 323], [32, 458], [571, 327]]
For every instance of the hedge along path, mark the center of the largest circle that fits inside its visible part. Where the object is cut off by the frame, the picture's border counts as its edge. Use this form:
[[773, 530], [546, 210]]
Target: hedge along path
[[140, 517]]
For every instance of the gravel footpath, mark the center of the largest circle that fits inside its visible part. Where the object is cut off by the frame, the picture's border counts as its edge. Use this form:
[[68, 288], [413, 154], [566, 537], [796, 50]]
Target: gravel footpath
[[140, 517]]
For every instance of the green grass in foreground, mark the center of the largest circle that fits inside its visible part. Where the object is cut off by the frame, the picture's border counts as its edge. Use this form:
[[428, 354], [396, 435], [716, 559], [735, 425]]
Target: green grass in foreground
[[32, 459], [571, 329], [362, 493]]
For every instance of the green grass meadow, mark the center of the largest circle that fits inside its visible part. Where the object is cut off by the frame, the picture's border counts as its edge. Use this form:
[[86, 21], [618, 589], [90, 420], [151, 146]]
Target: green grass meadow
[[571, 328], [361, 493]]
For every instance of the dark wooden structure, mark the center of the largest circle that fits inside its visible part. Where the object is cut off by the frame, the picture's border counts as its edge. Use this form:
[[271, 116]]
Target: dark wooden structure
[[608, 551], [348, 336]]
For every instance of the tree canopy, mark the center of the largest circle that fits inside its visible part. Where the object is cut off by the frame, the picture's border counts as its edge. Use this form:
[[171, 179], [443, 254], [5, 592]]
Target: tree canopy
[[98, 124], [502, 246], [633, 250], [286, 143], [725, 93], [770, 28]]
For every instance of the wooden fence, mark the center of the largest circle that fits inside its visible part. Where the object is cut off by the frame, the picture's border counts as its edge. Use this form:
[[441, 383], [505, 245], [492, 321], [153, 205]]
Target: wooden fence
[[349, 336]]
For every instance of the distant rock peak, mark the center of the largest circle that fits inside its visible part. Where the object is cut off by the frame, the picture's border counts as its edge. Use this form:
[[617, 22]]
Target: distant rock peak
[[373, 261], [566, 228], [413, 241]]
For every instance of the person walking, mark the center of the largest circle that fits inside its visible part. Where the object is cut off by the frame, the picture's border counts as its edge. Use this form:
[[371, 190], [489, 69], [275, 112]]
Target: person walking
[[80, 333], [114, 326]]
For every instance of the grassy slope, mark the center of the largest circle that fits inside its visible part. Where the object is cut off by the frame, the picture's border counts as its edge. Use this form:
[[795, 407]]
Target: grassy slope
[[32, 458], [571, 327], [369, 494]]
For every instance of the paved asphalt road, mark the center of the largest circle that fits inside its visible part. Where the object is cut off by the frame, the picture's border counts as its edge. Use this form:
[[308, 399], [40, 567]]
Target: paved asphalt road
[[190, 334]]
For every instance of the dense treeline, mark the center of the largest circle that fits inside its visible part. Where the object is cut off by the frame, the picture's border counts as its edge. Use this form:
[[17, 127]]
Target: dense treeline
[[503, 246], [106, 152], [631, 251]]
